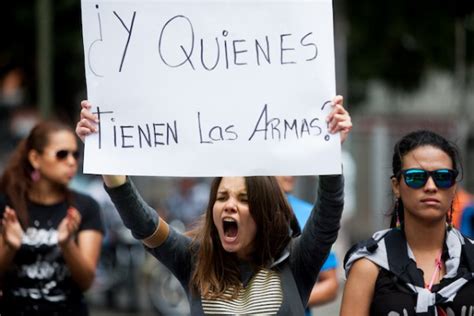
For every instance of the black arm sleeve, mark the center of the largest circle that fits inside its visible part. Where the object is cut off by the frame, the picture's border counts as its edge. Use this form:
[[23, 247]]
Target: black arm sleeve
[[310, 250], [136, 214], [142, 220]]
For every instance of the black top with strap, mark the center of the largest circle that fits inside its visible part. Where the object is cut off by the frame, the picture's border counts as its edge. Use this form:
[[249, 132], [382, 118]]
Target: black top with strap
[[400, 289], [38, 281]]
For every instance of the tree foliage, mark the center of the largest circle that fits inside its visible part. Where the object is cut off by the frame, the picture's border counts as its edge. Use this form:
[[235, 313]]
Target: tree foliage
[[397, 41], [19, 50]]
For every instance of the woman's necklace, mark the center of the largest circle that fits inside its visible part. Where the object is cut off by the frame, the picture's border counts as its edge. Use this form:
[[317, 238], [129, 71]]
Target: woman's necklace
[[436, 272]]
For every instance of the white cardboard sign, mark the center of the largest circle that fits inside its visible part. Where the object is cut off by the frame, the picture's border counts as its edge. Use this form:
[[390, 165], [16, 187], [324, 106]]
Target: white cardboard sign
[[210, 88]]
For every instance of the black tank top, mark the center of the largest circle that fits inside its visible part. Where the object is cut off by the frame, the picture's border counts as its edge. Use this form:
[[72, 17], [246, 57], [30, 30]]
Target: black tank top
[[392, 297]]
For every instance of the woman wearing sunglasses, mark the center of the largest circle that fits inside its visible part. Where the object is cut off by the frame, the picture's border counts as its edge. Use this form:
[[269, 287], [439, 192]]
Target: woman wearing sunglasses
[[50, 236], [421, 265]]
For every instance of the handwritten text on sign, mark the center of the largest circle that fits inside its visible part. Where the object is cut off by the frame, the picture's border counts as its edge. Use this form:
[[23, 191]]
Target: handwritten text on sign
[[204, 88]]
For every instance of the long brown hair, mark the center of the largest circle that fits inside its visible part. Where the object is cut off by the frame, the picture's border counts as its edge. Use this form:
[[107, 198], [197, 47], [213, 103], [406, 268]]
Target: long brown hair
[[16, 180], [217, 270]]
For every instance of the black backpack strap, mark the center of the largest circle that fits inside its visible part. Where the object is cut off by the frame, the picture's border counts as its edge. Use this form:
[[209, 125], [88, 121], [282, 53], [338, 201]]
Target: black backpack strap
[[398, 260], [290, 289], [370, 244]]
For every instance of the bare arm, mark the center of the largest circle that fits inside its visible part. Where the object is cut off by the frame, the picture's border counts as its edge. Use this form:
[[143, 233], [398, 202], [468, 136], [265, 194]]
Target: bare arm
[[325, 289], [82, 253], [359, 288], [10, 238], [6, 255], [82, 257]]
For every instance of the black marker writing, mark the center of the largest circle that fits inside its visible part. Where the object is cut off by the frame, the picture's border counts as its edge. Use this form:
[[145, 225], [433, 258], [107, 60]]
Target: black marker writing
[[225, 33], [215, 133], [310, 44], [259, 48], [161, 42], [326, 137], [92, 45], [146, 135], [139, 135], [217, 56], [99, 115], [129, 31], [283, 49], [274, 128], [237, 52], [123, 130]]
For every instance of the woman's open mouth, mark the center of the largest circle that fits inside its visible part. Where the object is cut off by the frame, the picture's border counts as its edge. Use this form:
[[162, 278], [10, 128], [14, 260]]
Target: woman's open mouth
[[231, 229]]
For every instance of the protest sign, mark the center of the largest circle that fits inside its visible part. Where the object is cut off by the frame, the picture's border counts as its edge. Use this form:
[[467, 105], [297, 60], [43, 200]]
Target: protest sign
[[210, 88]]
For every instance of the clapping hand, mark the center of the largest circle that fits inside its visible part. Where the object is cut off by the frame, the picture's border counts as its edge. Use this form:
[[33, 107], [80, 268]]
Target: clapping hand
[[11, 229], [68, 226]]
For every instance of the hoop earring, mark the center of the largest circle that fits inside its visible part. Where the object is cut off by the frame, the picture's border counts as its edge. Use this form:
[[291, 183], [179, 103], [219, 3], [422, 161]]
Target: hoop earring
[[35, 175]]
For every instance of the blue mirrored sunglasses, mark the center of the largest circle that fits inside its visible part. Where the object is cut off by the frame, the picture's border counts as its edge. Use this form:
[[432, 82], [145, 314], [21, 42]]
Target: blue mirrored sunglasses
[[417, 178]]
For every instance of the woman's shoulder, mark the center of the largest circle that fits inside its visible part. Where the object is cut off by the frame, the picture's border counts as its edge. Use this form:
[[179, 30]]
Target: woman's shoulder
[[91, 217], [369, 245], [372, 249], [84, 203], [365, 267]]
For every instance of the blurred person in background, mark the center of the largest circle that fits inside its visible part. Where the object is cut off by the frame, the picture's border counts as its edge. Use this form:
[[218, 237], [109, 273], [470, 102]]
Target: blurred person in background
[[422, 265], [462, 200], [463, 212], [16, 117], [187, 201], [121, 258], [326, 288], [467, 221], [50, 235], [242, 259]]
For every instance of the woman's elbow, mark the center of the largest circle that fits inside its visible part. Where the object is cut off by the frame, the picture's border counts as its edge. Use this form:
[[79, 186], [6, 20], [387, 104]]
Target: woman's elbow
[[86, 282]]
